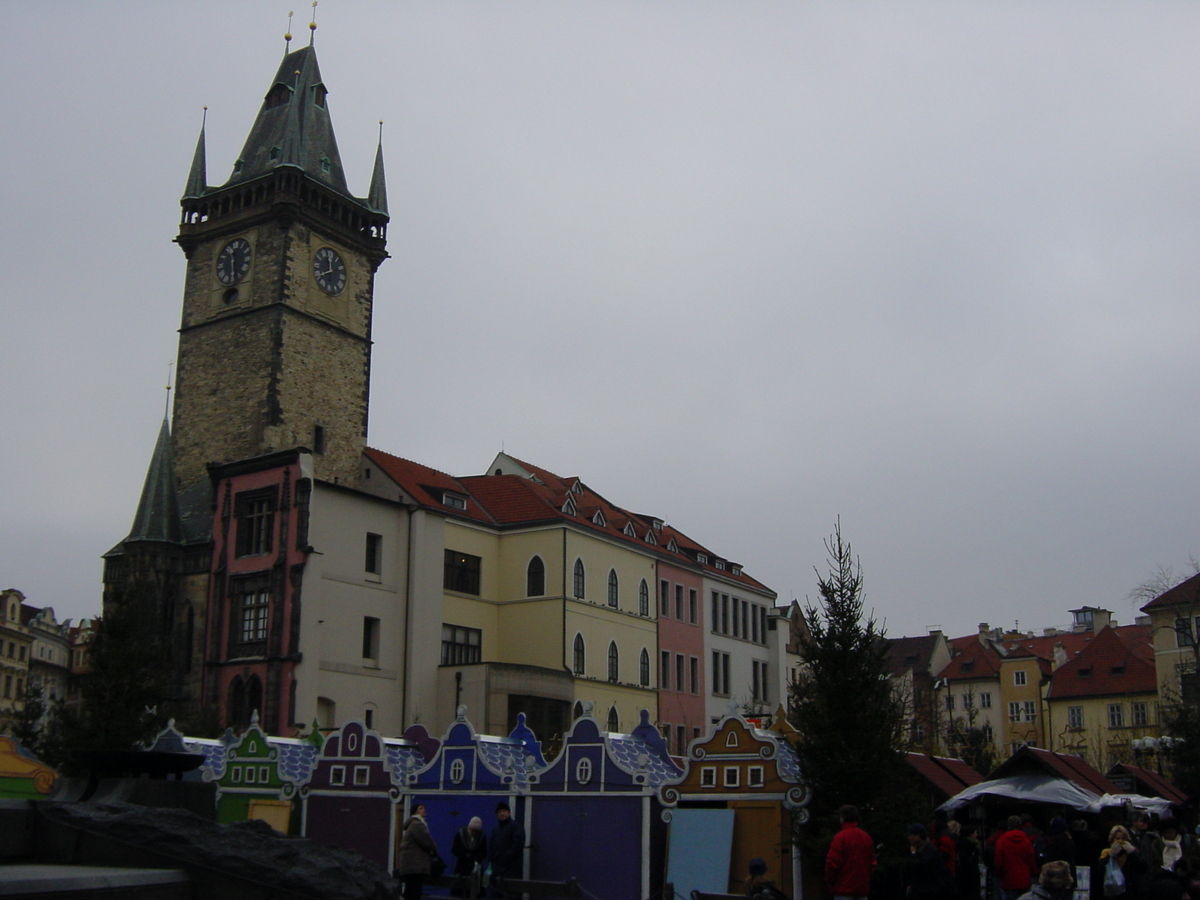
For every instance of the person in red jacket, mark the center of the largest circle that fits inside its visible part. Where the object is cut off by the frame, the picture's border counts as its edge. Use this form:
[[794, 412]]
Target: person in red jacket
[[851, 859], [1015, 862]]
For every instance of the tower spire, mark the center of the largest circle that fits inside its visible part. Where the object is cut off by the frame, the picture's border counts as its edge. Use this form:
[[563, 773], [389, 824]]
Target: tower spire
[[197, 182], [287, 36], [377, 195], [312, 26], [157, 517]]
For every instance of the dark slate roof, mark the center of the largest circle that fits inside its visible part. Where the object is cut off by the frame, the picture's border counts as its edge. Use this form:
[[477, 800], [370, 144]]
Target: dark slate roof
[[907, 653], [377, 195], [197, 182], [157, 517], [298, 130]]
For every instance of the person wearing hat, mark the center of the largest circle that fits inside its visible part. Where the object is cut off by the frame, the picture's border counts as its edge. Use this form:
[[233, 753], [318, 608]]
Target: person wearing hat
[[506, 849], [758, 886], [1054, 883], [470, 850], [925, 870]]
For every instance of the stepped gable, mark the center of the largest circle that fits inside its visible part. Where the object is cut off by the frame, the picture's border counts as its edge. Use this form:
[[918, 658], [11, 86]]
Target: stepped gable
[[1186, 594], [1115, 661]]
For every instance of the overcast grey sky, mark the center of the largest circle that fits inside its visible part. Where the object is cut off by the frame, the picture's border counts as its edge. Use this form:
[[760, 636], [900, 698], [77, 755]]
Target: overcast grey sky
[[749, 266]]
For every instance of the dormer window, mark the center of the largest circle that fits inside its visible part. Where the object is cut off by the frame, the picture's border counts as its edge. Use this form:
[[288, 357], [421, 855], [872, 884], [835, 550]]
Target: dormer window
[[238, 165], [1085, 672], [651, 539], [598, 519], [1118, 670], [702, 558], [720, 564], [737, 570], [577, 487], [273, 153], [672, 546], [968, 666], [326, 165], [278, 96], [629, 530], [319, 93], [454, 501], [569, 507]]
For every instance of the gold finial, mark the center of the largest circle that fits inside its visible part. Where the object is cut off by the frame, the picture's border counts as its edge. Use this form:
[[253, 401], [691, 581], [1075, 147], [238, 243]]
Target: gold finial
[[287, 35], [312, 26]]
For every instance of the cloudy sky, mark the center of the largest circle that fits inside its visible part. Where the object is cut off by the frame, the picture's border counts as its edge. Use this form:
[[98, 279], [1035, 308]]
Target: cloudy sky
[[932, 268]]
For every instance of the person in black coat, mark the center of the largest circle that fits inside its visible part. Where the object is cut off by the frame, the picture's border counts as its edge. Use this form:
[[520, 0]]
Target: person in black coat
[[470, 851], [925, 871], [506, 849]]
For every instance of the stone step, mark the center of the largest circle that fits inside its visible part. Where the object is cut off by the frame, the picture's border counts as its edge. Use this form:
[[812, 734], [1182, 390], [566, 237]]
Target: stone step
[[19, 881]]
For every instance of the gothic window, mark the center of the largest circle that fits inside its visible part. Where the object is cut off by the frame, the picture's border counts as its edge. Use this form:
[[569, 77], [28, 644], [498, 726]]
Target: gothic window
[[614, 721], [255, 522], [644, 669], [254, 616], [579, 579], [579, 654], [644, 599], [535, 578], [612, 588], [613, 661]]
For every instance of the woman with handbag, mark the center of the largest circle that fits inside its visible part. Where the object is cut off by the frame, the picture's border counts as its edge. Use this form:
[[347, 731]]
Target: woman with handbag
[[418, 855]]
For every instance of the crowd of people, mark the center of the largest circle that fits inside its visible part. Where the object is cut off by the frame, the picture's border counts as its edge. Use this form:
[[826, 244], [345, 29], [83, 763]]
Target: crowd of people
[[488, 859], [1150, 859]]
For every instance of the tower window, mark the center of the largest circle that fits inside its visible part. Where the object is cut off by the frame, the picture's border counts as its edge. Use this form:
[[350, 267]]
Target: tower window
[[325, 164], [374, 560], [580, 580], [319, 95], [579, 654], [255, 523], [254, 616], [273, 153], [278, 96], [318, 439], [535, 578]]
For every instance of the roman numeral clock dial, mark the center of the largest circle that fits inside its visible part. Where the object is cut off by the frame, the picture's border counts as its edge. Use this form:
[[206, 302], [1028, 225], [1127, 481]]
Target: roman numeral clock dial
[[329, 270], [233, 262]]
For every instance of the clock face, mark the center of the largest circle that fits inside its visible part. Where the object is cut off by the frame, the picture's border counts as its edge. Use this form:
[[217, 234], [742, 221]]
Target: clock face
[[329, 270], [233, 262]]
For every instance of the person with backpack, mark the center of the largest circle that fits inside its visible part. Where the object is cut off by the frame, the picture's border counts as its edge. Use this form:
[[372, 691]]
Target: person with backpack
[[758, 886]]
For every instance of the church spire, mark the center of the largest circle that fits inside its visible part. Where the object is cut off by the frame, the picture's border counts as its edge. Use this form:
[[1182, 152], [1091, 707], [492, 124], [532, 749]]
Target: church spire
[[293, 127], [157, 517], [197, 182], [377, 195]]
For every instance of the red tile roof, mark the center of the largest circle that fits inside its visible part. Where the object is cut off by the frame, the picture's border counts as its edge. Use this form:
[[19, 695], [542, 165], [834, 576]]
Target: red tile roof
[[1115, 661], [1145, 778], [511, 500], [1186, 593], [975, 661], [947, 775]]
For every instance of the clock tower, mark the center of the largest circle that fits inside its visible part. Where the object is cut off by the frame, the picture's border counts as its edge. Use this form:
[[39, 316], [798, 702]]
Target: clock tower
[[275, 342]]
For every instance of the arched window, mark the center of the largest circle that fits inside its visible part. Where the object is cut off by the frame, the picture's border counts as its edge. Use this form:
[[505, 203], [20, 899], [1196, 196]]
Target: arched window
[[579, 660], [614, 721], [613, 661], [612, 588], [535, 578], [579, 579], [644, 669], [236, 713], [643, 599], [253, 698]]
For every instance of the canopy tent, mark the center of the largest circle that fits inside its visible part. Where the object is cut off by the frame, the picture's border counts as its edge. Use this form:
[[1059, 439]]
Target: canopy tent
[[1039, 787]]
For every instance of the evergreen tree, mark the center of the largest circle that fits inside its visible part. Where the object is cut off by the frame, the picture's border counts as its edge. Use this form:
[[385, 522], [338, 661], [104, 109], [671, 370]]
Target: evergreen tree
[[850, 720], [122, 693]]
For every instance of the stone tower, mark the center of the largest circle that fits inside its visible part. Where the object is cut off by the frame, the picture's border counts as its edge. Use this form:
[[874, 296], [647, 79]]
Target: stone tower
[[275, 342]]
